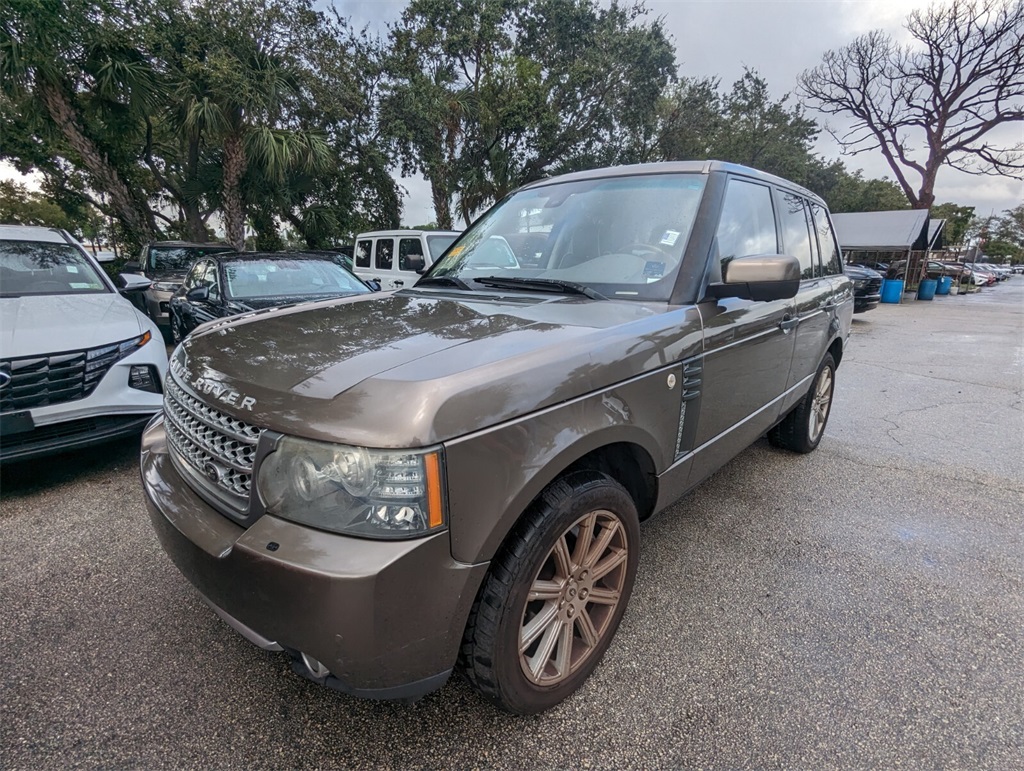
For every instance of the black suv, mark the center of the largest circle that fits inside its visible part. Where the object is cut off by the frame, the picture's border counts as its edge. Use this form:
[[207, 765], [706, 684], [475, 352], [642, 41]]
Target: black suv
[[867, 287], [165, 263]]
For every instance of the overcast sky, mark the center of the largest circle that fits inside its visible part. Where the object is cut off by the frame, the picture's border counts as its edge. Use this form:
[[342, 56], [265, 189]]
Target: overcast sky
[[779, 39]]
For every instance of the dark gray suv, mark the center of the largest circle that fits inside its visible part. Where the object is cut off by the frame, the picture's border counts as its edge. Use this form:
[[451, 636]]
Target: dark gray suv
[[388, 486]]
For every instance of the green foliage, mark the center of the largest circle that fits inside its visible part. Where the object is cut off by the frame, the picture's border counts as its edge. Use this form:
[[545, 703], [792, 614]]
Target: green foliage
[[851, 192], [162, 112], [1002, 237], [490, 94], [281, 122], [20, 206], [958, 219]]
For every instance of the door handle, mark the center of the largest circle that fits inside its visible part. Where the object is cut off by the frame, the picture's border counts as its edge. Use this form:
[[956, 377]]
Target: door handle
[[789, 321], [399, 283]]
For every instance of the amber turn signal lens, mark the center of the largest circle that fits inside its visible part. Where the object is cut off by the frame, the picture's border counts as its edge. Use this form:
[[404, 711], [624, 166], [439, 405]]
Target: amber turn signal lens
[[434, 508]]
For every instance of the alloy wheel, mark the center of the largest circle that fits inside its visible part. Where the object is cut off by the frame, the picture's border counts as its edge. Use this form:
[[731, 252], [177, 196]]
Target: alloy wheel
[[820, 405], [573, 597]]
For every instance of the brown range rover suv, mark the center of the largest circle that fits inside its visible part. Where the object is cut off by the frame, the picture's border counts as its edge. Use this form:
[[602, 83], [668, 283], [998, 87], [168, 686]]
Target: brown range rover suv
[[391, 485]]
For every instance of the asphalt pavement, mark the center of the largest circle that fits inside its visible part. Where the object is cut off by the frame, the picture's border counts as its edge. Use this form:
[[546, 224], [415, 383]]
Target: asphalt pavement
[[861, 606]]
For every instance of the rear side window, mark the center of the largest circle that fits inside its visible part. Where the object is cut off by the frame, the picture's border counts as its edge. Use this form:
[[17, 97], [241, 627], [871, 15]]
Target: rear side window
[[796, 235], [384, 253], [406, 247], [747, 224], [830, 259], [363, 253], [437, 245]]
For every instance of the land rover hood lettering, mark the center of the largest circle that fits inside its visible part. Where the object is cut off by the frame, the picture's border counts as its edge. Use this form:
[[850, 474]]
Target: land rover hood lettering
[[222, 393]]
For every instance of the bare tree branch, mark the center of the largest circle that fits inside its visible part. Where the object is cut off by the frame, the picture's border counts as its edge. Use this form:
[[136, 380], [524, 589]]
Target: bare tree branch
[[931, 103]]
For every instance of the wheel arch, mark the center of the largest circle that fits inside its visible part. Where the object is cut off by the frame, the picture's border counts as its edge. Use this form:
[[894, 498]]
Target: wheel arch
[[836, 349], [625, 453]]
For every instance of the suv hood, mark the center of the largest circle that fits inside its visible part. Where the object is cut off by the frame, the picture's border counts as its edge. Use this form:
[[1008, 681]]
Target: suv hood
[[35, 325], [857, 272], [177, 276], [415, 368]]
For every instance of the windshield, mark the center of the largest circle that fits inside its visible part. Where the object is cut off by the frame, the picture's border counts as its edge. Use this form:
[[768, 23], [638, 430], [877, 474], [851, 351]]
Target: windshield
[[41, 268], [179, 258], [252, 279], [618, 238]]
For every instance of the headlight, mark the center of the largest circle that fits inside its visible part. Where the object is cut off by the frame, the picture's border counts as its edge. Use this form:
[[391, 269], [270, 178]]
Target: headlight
[[165, 286], [859, 283], [354, 490]]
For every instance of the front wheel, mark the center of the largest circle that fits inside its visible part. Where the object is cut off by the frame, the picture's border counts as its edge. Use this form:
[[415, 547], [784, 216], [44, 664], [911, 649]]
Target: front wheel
[[555, 595], [801, 430], [177, 332]]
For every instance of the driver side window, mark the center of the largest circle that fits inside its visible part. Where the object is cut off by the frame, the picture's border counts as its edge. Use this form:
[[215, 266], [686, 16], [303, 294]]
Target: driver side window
[[195, 275], [211, 280], [747, 225]]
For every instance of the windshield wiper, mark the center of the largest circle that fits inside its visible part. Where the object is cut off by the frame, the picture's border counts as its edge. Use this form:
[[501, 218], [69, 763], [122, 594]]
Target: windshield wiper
[[540, 285], [458, 283]]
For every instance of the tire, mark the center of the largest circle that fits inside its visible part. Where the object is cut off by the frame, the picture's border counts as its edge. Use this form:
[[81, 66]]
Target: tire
[[177, 333], [801, 430], [568, 628]]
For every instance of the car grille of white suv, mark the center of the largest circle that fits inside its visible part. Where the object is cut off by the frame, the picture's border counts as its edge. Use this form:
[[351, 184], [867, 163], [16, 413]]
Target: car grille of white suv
[[55, 378], [215, 449]]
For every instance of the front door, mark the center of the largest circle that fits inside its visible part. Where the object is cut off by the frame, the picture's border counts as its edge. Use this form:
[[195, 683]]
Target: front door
[[748, 345]]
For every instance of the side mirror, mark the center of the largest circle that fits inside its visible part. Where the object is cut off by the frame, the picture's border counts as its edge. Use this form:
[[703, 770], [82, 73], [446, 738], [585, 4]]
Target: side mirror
[[759, 277], [199, 294], [132, 282], [133, 267], [416, 262], [374, 284]]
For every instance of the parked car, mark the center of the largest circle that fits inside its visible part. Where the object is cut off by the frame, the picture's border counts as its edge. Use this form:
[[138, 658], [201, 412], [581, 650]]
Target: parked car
[[397, 258], [988, 272], [229, 283], [882, 268], [867, 287], [78, 363], [384, 485], [165, 264], [934, 269]]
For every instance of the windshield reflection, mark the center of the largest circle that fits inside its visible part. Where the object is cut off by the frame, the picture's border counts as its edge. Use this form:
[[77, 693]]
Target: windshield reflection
[[43, 268], [621, 237]]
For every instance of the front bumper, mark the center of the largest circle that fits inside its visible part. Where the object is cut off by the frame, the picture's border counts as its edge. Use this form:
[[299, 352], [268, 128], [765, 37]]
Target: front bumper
[[865, 302], [158, 304], [384, 617], [111, 411]]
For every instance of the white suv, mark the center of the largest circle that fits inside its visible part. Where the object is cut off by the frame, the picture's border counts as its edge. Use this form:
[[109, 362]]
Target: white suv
[[78, 363], [397, 258]]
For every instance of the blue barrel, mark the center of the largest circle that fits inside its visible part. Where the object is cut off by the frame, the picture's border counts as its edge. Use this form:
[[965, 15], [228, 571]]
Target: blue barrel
[[892, 290], [945, 282], [927, 289]]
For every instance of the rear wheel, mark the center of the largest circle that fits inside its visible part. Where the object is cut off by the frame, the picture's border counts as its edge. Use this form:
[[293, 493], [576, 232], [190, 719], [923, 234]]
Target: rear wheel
[[555, 595], [801, 430]]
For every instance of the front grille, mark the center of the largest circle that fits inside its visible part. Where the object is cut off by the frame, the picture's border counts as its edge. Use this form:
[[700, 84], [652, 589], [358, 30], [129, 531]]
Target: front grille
[[218, 448], [873, 286], [39, 381]]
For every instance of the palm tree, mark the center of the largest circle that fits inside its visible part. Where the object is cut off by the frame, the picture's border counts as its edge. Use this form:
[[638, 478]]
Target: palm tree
[[236, 99], [48, 50]]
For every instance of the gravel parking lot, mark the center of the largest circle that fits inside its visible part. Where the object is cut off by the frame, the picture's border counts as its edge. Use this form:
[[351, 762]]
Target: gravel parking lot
[[860, 606]]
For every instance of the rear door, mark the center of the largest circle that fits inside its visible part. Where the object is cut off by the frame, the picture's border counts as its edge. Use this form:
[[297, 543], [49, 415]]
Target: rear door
[[384, 269], [840, 305], [812, 311]]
